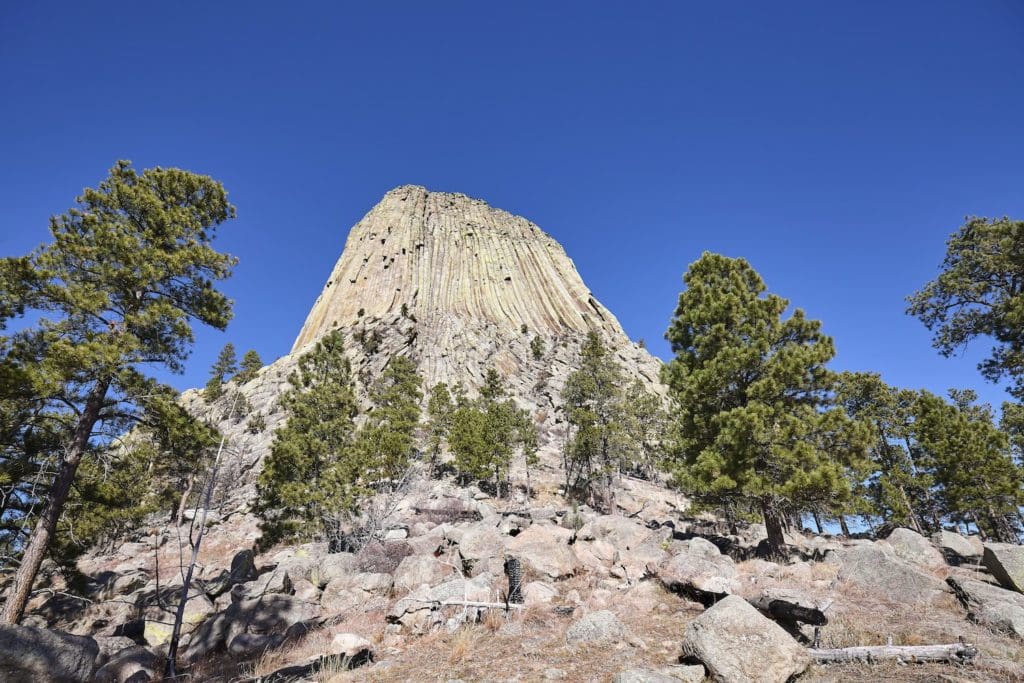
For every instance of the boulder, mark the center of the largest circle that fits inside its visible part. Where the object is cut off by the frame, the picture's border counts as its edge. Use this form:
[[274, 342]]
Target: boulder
[[1005, 562], [417, 570], [674, 674], [252, 644], [545, 550], [243, 569], [997, 608], [481, 543], [351, 646], [29, 654], [597, 628], [737, 644], [958, 549], [271, 614], [333, 566], [915, 549], [698, 571], [539, 593], [131, 663], [875, 567]]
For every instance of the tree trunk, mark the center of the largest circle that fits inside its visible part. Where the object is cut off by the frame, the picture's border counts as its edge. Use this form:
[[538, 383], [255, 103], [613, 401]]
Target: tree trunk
[[42, 535], [773, 524], [843, 527], [817, 522]]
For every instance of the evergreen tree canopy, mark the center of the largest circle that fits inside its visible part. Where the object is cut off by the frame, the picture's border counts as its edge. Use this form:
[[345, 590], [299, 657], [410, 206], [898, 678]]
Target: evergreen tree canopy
[[976, 478], [221, 371], [115, 293], [310, 477], [486, 432], [439, 419], [899, 488], [251, 364], [387, 442], [593, 402], [980, 293], [751, 390]]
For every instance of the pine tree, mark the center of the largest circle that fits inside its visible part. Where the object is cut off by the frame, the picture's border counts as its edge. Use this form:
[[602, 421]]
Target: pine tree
[[976, 478], [751, 422], [599, 447], [387, 442], [486, 432], [980, 293], [250, 366], [311, 479], [116, 291], [899, 487], [645, 429], [221, 371], [537, 347], [439, 413]]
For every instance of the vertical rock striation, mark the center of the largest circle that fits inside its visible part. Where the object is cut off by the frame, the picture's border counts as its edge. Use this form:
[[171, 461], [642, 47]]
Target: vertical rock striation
[[448, 256]]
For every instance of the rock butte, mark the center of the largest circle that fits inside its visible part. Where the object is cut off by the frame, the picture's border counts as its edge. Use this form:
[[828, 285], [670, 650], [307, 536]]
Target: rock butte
[[447, 256], [470, 277]]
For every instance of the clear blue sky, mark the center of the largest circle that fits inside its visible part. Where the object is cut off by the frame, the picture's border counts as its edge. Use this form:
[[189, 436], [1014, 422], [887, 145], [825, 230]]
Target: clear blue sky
[[834, 145]]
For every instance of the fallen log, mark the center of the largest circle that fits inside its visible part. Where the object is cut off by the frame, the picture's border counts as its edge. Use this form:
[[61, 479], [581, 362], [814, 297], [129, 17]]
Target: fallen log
[[790, 607], [956, 652], [468, 603]]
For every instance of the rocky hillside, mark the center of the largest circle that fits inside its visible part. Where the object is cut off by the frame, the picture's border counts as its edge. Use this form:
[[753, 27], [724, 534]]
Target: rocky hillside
[[653, 596], [461, 585]]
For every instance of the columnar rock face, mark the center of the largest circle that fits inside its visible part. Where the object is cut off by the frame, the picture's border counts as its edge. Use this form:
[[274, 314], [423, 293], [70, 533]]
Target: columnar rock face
[[447, 256], [460, 288], [459, 281]]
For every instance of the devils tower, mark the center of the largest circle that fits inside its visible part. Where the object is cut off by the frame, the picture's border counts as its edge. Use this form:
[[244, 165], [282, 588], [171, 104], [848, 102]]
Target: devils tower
[[460, 287], [472, 277]]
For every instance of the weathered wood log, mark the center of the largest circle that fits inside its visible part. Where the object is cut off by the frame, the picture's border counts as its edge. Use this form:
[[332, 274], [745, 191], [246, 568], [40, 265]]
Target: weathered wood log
[[956, 652], [468, 603], [790, 607]]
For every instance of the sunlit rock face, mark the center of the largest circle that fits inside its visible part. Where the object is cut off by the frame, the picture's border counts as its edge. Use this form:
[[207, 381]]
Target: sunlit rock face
[[446, 256], [459, 287]]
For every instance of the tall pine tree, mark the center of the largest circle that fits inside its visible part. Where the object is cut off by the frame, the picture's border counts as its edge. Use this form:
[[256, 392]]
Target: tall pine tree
[[115, 293], [752, 426], [311, 479]]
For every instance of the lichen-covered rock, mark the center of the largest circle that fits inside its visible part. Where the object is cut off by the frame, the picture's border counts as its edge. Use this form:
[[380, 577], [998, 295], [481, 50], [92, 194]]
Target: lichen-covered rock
[[597, 628], [544, 549], [1005, 562], [737, 644], [915, 549], [997, 608], [958, 549], [32, 655], [876, 567]]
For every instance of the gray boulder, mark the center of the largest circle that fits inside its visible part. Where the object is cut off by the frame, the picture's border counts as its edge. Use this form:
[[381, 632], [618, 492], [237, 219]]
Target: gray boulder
[[673, 674], [1005, 562], [597, 628], [915, 549], [876, 567], [29, 654], [958, 549], [132, 662], [545, 550], [416, 570], [271, 614], [737, 644], [699, 571], [997, 608]]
